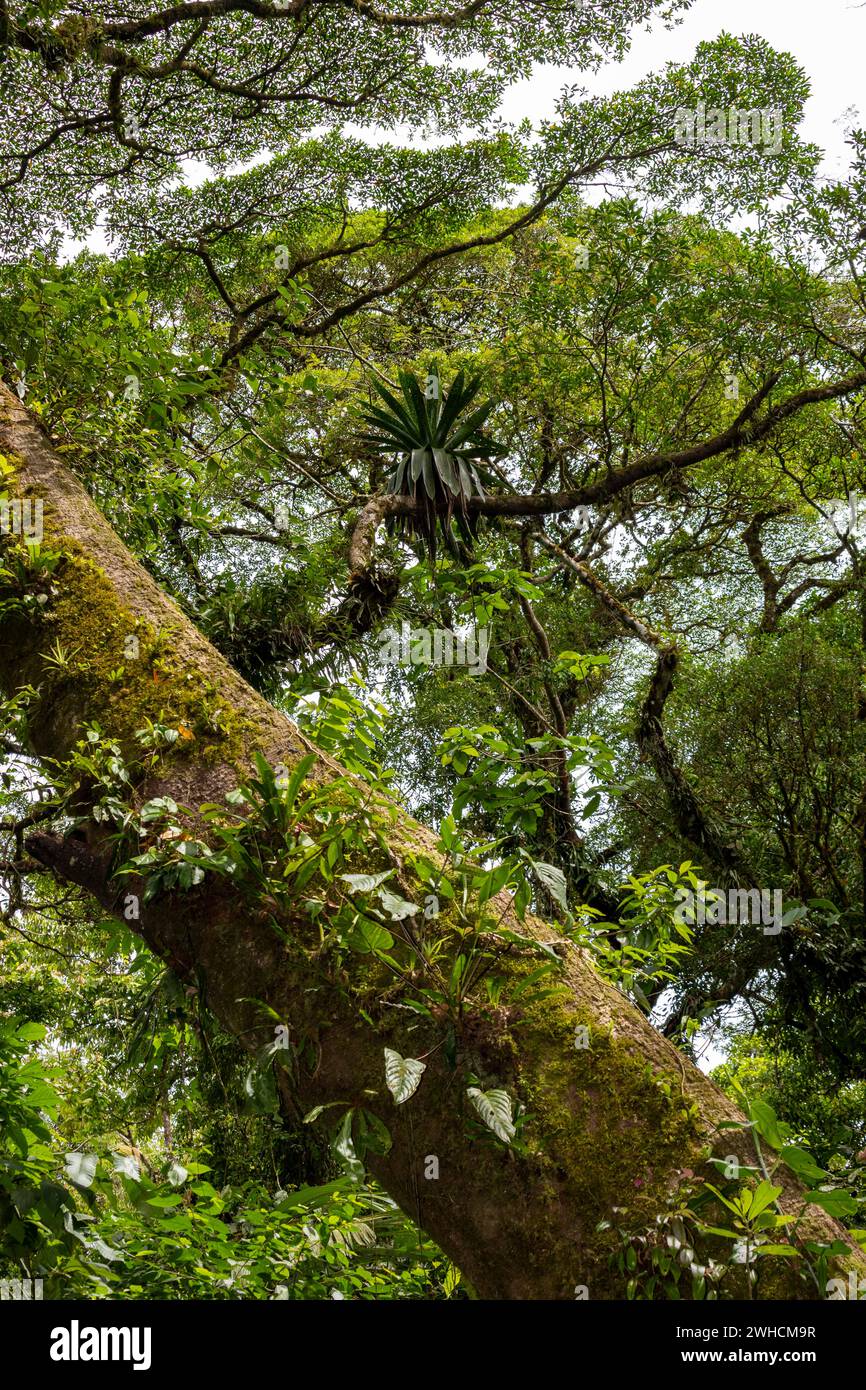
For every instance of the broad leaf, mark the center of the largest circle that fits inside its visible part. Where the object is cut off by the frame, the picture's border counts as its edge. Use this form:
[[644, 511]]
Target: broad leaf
[[553, 879], [494, 1107], [402, 1074], [365, 883], [396, 907], [81, 1168]]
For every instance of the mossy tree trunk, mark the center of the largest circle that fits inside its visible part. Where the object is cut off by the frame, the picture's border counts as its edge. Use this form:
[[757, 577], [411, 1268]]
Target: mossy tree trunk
[[623, 1122]]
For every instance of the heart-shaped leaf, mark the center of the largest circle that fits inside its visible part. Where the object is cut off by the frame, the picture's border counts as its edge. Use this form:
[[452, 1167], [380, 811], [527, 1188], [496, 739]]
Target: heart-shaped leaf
[[396, 907], [553, 879], [403, 1075], [128, 1166], [81, 1168], [365, 883], [494, 1107]]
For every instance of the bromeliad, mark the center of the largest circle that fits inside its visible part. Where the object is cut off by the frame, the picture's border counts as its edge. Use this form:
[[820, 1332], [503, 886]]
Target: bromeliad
[[440, 448]]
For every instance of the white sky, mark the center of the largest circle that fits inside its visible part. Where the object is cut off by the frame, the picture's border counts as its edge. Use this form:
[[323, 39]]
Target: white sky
[[827, 40]]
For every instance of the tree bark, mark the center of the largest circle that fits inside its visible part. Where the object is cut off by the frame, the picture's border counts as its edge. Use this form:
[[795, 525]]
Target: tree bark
[[621, 1123]]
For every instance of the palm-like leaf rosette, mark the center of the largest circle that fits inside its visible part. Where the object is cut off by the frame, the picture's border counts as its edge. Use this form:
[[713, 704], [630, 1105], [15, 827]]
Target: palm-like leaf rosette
[[440, 449]]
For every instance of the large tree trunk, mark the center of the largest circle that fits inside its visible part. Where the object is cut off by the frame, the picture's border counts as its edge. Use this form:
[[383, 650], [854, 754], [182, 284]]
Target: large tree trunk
[[616, 1124]]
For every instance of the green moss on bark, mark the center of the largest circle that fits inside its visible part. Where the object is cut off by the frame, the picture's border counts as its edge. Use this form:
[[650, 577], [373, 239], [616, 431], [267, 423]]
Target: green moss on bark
[[89, 627]]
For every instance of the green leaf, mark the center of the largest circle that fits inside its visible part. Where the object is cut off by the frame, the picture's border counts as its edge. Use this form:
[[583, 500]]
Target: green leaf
[[373, 937], [317, 1110], [396, 907], [395, 482], [80, 1168], [31, 1032], [764, 1196], [344, 1147], [299, 773], [494, 1107], [465, 479], [834, 1203], [311, 1196], [429, 475], [802, 1163], [372, 1134], [447, 470], [365, 883], [398, 408], [723, 1199], [766, 1122], [260, 1087], [458, 398], [403, 1075], [469, 426], [553, 879], [395, 430], [418, 405]]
